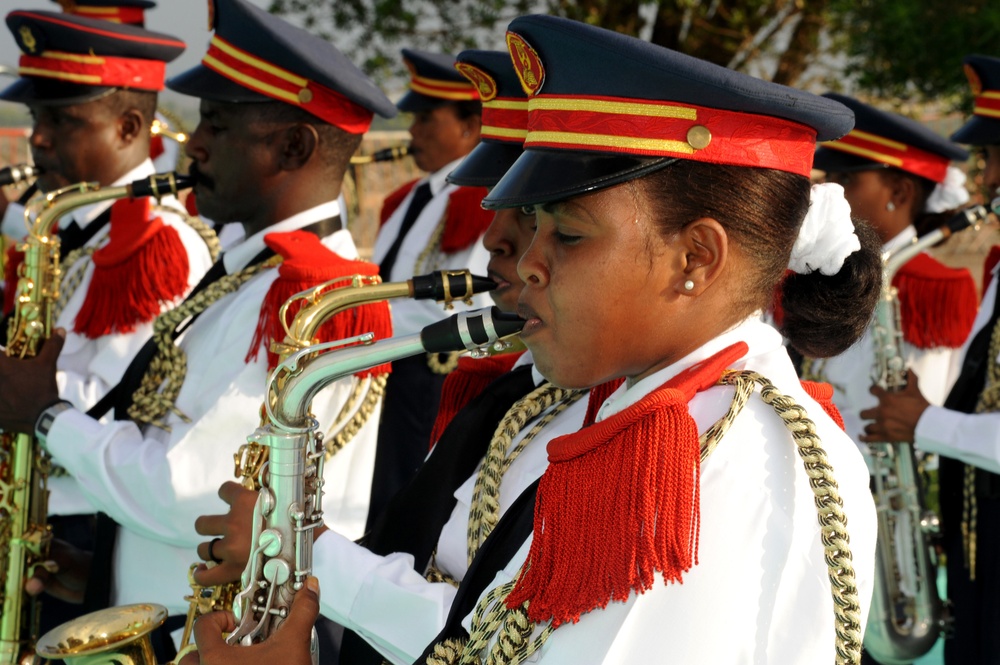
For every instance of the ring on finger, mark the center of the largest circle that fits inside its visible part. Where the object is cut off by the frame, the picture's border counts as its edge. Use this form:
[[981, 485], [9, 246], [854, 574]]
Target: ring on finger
[[211, 550]]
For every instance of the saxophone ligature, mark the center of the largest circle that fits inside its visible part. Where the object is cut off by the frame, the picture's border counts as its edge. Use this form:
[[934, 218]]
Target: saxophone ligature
[[289, 504], [319, 305], [24, 467], [907, 615], [16, 174]]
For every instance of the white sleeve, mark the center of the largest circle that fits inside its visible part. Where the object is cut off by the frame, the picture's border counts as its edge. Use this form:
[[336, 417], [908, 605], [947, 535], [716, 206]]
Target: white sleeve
[[400, 611], [13, 221], [973, 438]]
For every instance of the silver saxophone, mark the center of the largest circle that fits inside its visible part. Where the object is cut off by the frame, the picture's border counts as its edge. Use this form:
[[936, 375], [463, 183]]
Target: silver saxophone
[[288, 506], [907, 615]]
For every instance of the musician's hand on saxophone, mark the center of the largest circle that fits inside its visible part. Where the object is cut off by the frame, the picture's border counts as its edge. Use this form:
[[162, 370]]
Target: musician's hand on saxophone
[[895, 418], [230, 547], [29, 386], [289, 644], [65, 573]]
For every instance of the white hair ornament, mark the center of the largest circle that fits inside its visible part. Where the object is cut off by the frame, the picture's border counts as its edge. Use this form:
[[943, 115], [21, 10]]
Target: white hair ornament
[[826, 237], [949, 194]]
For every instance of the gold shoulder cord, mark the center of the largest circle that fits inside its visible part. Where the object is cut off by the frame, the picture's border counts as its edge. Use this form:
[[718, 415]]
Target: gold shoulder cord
[[514, 630], [355, 413], [169, 366], [989, 401]]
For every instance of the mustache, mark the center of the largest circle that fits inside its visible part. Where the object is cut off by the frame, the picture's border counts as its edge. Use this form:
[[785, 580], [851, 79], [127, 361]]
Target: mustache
[[200, 178]]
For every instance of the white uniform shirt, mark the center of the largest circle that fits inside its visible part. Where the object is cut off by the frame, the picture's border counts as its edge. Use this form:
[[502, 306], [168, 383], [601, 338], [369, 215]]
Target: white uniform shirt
[[760, 593], [850, 373], [410, 316], [156, 483], [973, 438]]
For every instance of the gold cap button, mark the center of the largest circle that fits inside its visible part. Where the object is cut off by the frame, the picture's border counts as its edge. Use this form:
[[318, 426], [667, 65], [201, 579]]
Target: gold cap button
[[699, 137]]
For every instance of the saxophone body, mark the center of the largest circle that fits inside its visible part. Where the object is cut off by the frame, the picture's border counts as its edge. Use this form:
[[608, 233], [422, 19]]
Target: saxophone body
[[289, 504], [320, 304], [24, 467], [907, 615]]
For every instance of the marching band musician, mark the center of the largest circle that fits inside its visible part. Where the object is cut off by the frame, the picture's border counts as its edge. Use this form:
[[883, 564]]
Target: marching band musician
[[669, 195], [427, 225], [281, 113], [965, 430]]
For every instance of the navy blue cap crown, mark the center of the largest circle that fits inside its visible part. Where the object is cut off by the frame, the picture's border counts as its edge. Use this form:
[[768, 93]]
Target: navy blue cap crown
[[605, 108], [505, 118], [255, 56], [882, 139], [433, 81], [69, 59], [983, 128]]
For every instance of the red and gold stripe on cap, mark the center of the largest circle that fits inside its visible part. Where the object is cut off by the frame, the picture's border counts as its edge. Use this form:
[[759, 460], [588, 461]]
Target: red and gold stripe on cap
[[278, 83], [669, 129], [505, 119], [95, 70], [987, 104], [886, 151], [127, 15], [455, 91]]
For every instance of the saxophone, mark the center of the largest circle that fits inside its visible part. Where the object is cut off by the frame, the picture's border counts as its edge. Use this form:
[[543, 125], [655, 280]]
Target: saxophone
[[18, 173], [906, 615], [24, 466], [288, 507], [322, 303]]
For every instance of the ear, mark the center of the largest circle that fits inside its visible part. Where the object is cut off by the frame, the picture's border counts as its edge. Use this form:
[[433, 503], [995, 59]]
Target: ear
[[903, 192], [298, 145], [471, 127], [705, 251], [132, 125]]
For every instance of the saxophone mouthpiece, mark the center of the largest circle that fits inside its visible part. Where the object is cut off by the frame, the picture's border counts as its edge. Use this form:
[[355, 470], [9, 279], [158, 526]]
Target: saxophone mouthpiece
[[448, 285], [970, 216], [469, 330], [17, 173], [160, 185]]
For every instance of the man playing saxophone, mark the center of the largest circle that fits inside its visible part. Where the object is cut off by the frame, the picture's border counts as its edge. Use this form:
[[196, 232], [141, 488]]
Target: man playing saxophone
[[269, 154], [965, 430]]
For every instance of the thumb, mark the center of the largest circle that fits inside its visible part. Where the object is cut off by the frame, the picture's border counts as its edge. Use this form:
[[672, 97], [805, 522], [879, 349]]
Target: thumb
[[209, 630], [305, 608], [912, 381], [53, 346]]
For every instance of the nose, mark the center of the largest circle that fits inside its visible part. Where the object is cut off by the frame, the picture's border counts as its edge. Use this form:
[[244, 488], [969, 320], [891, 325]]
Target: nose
[[496, 240], [40, 136], [194, 147], [532, 268]]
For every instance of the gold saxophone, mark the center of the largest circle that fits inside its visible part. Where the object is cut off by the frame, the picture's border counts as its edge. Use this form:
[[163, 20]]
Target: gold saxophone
[[288, 505], [321, 304], [24, 466], [906, 615]]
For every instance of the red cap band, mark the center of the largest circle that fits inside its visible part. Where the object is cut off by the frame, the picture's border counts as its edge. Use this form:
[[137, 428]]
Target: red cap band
[[659, 129], [272, 81], [451, 90], [128, 15], [505, 119], [95, 70], [886, 151], [987, 104]]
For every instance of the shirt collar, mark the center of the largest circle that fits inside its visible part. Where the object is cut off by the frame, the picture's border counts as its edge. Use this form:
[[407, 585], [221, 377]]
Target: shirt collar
[[759, 336], [84, 215], [237, 257], [905, 237], [437, 179]]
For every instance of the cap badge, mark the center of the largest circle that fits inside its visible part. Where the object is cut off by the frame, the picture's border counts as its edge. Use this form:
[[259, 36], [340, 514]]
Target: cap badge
[[974, 82], [28, 39], [484, 82], [527, 64], [699, 136]]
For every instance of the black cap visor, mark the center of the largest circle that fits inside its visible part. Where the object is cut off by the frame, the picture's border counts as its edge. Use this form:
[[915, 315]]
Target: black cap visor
[[49, 92], [486, 164], [200, 81], [978, 131], [413, 102], [836, 161], [545, 176]]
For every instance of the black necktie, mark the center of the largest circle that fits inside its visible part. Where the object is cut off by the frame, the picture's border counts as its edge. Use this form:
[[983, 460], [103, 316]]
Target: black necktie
[[420, 198], [73, 237]]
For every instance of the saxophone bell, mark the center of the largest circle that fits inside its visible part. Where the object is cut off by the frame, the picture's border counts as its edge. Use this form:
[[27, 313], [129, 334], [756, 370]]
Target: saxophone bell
[[115, 635]]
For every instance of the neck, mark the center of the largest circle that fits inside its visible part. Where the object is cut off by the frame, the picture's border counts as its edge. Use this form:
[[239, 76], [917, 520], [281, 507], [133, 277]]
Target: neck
[[289, 204]]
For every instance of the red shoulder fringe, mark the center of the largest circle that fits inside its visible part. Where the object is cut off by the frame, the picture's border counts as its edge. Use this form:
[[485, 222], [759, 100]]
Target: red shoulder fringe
[[992, 259], [466, 382], [823, 394], [465, 219], [307, 264], [937, 304]]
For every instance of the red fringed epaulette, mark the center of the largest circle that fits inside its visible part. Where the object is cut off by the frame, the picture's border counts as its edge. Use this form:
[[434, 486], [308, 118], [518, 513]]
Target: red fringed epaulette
[[619, 503], [465, 219], [393, 201], [466, 382], [308, 263], [823, 394], [191, 204], [597, 397], [14, 260], [156, 147], [143, 267], [992, 259], [937, 304]]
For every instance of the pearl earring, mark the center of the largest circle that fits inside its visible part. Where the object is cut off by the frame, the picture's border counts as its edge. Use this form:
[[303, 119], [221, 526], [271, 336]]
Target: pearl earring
[[689, 285], [890, 206]]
